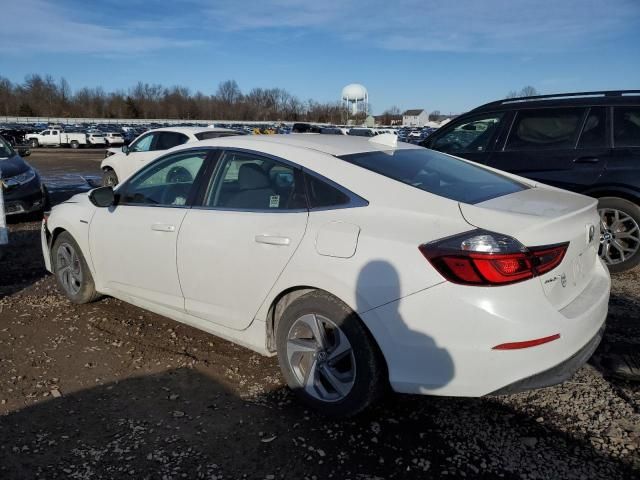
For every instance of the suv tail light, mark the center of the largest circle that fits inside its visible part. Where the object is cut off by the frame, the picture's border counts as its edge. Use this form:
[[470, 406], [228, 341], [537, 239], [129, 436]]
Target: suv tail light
[[488, 259]]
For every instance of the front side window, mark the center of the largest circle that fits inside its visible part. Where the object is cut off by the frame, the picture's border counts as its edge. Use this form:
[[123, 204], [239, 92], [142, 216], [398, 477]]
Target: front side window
[[626, 126], [470, 136], [167, 182], [545, 128], [252, 182], [144, 144], [436, 173]]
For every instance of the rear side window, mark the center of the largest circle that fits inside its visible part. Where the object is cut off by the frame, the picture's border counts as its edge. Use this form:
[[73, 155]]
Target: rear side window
[[626, 126], [545, 128], [594, 132], [437, 173], [252, 182], [209, 135], [323, 195], [167, 140]]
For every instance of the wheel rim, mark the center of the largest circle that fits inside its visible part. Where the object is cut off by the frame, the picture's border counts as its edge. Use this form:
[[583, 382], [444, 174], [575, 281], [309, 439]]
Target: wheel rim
[[321, 358], [69, 269], [109, 180], [619, 236]]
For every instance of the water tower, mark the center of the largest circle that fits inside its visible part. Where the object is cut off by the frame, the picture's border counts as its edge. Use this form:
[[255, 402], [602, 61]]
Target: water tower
[[355, 99]]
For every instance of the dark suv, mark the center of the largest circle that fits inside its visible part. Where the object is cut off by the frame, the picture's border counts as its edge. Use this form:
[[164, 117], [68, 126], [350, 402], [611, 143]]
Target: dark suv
[[585, 142]]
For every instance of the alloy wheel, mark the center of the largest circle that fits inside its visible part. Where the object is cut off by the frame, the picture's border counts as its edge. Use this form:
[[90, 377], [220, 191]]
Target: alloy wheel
[[619, 236], [69, 268], [321, 358]]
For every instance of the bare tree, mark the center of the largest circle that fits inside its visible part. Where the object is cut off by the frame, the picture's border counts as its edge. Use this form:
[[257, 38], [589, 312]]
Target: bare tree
[[527, 91]]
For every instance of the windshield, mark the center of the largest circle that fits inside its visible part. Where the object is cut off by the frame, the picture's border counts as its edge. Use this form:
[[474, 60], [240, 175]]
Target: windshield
[[437, 173], [5, 149]]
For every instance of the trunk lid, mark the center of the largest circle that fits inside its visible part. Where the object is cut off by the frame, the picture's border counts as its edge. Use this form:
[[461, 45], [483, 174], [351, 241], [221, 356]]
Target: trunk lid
[[545, 216]]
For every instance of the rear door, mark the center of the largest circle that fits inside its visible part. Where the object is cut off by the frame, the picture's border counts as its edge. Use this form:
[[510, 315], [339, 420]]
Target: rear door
[[566, 147], [472, 138], [624, 165], [233, 247]]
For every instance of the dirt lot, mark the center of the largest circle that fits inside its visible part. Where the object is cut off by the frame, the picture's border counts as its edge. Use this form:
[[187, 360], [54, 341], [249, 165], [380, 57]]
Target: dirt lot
[[108, 390]]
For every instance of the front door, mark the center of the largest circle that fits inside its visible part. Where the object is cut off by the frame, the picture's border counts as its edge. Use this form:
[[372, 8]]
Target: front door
[[133, 244], [232, 249], [472, 138], [139, 154]]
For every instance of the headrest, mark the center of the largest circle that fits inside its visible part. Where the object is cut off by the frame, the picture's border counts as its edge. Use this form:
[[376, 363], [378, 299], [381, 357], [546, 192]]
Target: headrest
[[252, 177]]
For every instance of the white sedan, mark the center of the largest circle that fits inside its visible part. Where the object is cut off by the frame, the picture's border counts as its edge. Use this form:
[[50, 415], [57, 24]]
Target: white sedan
[[361, 263], [120, 163]]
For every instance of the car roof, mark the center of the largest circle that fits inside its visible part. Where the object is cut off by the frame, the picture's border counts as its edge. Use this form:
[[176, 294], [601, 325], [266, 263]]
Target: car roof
[[576, 99], [335, 145]]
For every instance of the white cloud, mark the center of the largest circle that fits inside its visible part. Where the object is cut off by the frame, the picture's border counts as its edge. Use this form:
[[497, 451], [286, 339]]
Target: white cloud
[[39, 26], [440, 25]]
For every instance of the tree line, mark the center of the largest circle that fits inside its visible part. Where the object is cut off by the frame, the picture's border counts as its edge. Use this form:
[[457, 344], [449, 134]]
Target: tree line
[[44, 96]]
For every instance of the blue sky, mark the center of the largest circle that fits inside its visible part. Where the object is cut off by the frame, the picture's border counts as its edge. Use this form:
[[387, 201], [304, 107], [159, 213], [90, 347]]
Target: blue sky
[[449, 55]]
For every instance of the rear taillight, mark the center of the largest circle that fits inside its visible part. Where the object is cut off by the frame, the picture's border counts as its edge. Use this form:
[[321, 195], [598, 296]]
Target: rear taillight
[[489, 259]]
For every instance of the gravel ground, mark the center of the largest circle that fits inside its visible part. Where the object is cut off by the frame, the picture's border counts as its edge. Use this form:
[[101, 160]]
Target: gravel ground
[[108, 390]]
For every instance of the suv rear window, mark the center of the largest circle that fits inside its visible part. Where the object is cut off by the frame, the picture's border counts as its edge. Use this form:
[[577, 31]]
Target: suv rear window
[[545, 128], [437, 173]]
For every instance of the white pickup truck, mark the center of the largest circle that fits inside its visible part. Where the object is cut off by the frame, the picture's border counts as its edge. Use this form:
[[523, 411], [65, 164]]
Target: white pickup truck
[[54, 137]]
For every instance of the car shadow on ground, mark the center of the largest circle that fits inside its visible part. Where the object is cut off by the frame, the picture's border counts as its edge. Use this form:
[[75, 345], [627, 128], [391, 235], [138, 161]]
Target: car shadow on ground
[[618, 356], [184, 424], [21, 262]]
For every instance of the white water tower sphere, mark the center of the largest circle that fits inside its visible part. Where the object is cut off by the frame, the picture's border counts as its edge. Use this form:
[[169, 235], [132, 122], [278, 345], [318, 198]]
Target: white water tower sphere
[[355, 98]]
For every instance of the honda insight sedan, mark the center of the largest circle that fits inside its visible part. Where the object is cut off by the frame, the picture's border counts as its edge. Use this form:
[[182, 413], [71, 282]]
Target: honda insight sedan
[[363, 264]]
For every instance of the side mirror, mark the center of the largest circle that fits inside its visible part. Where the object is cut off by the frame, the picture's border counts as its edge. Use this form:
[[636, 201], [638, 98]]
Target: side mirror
[[102, 197], [125, 149], [23, 151]]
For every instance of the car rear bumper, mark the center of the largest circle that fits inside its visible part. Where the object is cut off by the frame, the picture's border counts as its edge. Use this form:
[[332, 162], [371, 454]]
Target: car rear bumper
[[557, 374], [440, 341]]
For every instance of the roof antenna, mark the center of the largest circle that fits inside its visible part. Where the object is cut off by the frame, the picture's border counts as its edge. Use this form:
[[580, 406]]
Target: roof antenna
[[386, 139]]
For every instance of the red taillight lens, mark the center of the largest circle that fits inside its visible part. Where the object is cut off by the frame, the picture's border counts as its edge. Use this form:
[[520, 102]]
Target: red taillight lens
[[503, 261], [548, 258], [499, 268]]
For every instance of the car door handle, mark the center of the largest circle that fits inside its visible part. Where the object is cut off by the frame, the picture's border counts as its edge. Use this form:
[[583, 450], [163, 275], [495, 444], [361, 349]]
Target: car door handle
[[586, 160], [273, 240], [163, 227]]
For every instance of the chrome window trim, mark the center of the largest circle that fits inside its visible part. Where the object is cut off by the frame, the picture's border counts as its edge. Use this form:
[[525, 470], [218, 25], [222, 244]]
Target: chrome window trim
[[355, 201]]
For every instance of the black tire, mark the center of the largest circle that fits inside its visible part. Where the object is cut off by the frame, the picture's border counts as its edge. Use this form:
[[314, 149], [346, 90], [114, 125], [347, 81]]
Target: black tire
[[46, 198], [74, 144], [371, 378], [632, 210], [66, 247], [109, 178], [33, 143]]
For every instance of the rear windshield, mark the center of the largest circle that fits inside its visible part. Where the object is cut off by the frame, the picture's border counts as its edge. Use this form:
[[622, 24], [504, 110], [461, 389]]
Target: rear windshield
[[5, 149], [437, 173]]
